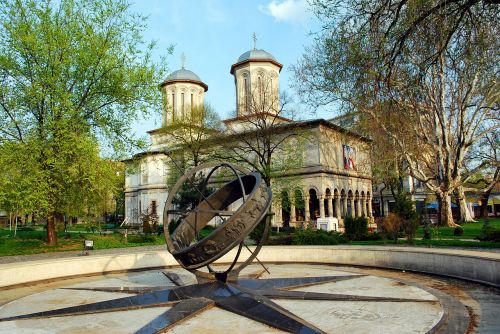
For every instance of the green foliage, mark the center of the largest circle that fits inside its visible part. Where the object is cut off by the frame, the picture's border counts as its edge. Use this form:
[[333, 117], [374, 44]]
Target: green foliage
[[391, 225], [458, 231], [141, 238], [356, 228], [258, 232], [74, 74], [409, 218], [317, 237], [489, 233], [427, 231]]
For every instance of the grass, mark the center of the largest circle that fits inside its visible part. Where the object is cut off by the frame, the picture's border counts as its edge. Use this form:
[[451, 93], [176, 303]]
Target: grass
[[471, 230], [34, 242]]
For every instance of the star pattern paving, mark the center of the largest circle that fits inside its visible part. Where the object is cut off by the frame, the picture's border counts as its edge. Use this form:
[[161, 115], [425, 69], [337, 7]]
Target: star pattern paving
[[248, 297]]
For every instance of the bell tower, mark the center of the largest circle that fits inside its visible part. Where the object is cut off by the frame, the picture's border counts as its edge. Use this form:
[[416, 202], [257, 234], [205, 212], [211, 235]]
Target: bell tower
[[256, 79]]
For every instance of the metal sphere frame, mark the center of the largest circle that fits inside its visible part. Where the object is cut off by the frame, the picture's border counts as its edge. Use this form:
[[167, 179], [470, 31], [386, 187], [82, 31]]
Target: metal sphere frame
[[256, 200]]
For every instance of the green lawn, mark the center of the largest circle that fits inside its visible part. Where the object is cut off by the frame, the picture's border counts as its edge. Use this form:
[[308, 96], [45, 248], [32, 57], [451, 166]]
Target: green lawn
[[471, 230], [33, 242]]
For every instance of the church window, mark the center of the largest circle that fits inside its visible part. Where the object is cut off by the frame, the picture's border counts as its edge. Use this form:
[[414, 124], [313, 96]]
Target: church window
[[173, 107], [246, 97], [182, 104], [192, 102], [153, 207]]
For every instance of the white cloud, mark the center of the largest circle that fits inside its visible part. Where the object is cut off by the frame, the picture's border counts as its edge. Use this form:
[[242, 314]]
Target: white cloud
[[288, 10]]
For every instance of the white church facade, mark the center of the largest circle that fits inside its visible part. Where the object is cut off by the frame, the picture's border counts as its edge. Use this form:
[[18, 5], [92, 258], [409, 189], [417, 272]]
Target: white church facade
[[335, 176]]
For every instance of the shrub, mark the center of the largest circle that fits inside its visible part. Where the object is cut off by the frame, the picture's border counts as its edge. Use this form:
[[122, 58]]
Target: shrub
[[458, 231], [391, 225], [141, 238], [489, 233], [285, 239], [409, 218], [410, 228], [373, 236], [318, 237], [356, 228], [427, 230], [258, 231]]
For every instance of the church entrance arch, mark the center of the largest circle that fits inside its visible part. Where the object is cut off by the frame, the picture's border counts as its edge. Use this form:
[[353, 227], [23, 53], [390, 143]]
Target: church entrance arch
[[299, 205], [328, 195], [285, 209], [313, 204], [350, 204]]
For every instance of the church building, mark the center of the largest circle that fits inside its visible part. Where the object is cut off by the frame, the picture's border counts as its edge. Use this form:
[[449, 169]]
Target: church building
[[335, 173]]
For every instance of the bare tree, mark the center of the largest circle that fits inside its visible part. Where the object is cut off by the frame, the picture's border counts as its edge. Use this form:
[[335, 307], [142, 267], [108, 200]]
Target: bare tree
[[263, 137], [442, 102]]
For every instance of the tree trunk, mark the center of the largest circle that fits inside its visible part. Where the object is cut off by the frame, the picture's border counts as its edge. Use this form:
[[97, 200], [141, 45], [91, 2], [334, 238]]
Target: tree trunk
[[439, 199], [51, 229], [15, 226], [484, 203], [445, 211], [465, 214]]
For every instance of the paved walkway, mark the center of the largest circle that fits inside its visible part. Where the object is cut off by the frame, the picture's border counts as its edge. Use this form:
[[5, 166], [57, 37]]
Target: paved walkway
[[60, 255]]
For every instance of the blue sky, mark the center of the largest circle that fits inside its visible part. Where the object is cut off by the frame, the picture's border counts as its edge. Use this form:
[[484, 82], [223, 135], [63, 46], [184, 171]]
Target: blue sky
[[214, 33]]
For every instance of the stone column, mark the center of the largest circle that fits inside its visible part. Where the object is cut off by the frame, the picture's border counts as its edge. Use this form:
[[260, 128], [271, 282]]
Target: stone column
[[330, 206], [337, 207], [363, 207], [321, 200], [307, 216], [275, 207], [370, 211], [293, 218], [345, 206], [358, 207], [279, 213]]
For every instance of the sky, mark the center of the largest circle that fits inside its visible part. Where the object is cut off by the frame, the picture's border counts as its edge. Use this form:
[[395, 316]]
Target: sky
[[214, 33]]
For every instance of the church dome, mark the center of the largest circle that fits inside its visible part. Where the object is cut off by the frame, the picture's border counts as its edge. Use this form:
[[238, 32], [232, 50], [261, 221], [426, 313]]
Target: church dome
[[184, 75], [256, 55]]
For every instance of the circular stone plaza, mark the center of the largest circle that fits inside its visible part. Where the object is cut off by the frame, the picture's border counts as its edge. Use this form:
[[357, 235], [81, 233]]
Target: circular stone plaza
[[324, 289]]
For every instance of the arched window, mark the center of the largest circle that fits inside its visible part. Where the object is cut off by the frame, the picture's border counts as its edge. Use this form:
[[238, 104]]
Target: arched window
[[182, 105], [192, 102], [246, 96], [173, 107]]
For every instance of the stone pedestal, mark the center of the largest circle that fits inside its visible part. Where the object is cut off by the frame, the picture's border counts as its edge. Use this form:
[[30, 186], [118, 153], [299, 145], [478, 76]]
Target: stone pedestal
[[327, 224]]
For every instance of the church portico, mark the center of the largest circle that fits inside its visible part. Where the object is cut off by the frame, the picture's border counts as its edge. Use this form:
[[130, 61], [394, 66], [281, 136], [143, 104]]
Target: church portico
[[350, 197]]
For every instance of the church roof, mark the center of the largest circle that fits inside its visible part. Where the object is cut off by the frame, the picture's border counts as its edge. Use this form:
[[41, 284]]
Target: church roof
[[184, 75], [255, 55]]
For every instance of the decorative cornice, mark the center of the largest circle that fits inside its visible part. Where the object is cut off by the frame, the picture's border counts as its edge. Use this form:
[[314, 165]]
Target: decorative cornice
[[202, 84], [247, 117], [274, 62]]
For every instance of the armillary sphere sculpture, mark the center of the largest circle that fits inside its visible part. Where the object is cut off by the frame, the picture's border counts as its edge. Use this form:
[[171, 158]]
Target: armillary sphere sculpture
[[254, 199], [245, 296]]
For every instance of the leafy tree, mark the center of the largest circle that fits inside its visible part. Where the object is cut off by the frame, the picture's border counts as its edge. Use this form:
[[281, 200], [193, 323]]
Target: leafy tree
[[72, 73], [431, 64], [189, 136]]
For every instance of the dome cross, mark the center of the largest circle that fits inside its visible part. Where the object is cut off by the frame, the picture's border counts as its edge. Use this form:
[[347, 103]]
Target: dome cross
[[183, 60]]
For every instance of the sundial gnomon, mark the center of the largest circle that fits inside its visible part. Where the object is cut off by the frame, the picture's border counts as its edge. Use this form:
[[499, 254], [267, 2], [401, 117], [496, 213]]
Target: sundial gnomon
[[227, 289]]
